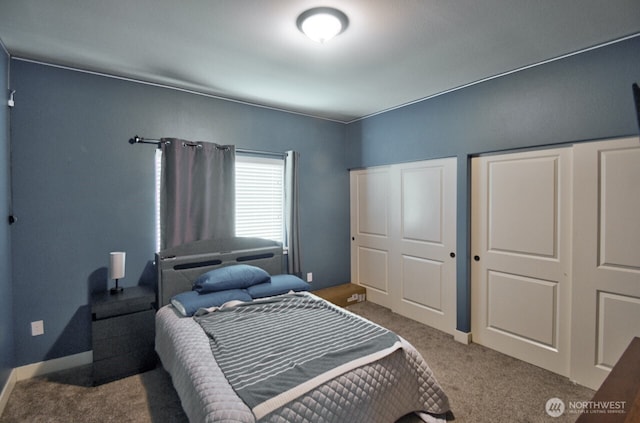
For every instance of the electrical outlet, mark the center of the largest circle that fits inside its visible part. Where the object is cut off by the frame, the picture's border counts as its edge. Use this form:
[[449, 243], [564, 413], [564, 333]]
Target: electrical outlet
[[37, 328], [309, 277]]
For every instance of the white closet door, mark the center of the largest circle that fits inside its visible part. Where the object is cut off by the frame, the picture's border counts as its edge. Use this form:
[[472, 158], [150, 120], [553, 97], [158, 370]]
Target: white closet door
[[403, 221], [424, 238], [606, 288], [520, 267], [370, 232]]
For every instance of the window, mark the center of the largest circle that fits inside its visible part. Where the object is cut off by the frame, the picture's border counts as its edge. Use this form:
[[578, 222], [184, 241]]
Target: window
[[259, 197]]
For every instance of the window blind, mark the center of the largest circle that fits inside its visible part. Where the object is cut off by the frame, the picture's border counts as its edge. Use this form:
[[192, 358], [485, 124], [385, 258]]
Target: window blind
[[260, 197]]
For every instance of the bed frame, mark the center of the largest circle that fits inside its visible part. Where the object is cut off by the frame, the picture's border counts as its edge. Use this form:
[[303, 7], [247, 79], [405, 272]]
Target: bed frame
[[179, 266]]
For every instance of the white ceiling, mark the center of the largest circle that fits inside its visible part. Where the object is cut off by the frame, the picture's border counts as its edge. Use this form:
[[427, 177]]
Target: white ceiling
[[394, 52]]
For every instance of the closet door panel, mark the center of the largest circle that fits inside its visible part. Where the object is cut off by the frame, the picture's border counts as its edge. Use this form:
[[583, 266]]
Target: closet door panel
[[606, 263], [422, 282], [422, 204], [424, 232], [373, 268], [532, 300], [523, 215], [370, 232], [372, 191], [521, 249]]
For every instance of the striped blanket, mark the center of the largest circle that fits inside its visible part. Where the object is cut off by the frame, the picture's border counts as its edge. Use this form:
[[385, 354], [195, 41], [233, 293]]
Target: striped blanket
[[277, 349]]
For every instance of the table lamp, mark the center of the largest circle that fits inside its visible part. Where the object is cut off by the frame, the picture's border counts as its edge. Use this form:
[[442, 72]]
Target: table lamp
[[116, 269]]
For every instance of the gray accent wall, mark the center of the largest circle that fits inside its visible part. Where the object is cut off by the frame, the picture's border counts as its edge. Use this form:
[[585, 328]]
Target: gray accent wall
[[583, 97], [6, 286], [81, 190]]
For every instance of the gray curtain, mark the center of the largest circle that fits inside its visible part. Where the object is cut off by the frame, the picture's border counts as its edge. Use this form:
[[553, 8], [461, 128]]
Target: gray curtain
[[292, 220], [197, 194]]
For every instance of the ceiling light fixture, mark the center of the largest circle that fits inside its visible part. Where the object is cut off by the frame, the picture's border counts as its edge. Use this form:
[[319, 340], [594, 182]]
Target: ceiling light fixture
[[322, 23]]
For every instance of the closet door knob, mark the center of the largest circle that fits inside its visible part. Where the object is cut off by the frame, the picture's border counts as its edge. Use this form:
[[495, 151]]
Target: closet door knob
[[476, 258], [452, 254]]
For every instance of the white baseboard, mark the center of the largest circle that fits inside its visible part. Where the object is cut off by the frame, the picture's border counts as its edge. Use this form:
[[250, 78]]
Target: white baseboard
[[8, 388], [462, 337], [55, 365]]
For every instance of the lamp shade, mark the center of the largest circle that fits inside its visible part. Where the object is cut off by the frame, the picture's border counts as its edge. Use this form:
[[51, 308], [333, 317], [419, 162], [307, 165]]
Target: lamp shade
[[116, 264]]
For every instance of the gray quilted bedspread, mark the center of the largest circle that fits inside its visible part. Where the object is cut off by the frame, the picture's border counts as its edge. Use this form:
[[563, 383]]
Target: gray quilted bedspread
[[380, 392]]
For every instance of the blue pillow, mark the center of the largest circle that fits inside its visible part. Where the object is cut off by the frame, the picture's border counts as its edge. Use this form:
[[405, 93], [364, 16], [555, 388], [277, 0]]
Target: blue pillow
[[279, 284], [238, 276], [187, 303]]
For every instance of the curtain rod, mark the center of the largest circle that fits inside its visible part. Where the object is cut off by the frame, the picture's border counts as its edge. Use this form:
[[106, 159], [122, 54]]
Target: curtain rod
[[141, 140]]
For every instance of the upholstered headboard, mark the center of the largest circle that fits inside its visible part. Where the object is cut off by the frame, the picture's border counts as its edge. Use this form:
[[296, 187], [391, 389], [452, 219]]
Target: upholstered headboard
[[179, 266]]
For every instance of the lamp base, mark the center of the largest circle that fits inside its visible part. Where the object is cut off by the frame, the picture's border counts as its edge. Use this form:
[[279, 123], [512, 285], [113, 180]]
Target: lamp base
[[116, 289]]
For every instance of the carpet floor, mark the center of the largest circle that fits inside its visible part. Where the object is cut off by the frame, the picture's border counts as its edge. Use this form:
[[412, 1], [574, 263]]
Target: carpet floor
[[483, 386]]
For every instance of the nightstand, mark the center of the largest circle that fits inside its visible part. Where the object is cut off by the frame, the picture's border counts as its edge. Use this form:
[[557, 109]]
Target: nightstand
[[123, 333]]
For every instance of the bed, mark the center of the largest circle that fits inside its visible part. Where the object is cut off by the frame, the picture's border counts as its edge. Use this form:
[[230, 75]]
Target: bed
[[381, 383]]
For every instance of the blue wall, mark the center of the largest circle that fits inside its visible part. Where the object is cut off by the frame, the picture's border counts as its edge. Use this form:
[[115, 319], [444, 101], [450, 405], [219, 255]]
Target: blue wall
[[81, 190], [582, 97], [6, 290]]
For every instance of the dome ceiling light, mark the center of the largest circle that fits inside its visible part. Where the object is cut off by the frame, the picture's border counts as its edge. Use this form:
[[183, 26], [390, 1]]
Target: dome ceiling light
[[322, 23]]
